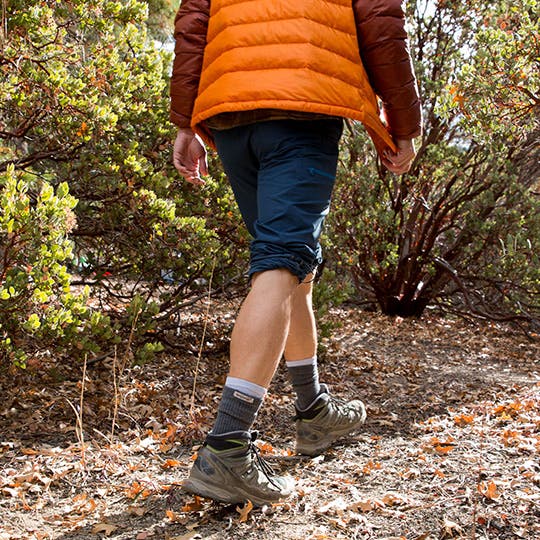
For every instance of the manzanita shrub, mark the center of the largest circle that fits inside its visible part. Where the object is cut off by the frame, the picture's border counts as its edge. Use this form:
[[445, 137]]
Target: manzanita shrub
[[462, 229], [84, 103], [36, 300]]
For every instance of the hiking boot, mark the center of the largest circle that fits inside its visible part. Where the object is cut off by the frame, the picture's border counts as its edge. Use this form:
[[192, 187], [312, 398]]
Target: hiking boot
[[230, 469], [326, 420]]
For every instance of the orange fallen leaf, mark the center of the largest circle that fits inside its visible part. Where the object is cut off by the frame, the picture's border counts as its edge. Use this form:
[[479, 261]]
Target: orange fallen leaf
[[173, 516], [463, 419], [393, 499], [134, 490], [365, 506], [443, 449], [370, 465], [170, 463], [165, 446], [193, 506], [244, 511], [29, 451], [266, 448], [171, 431], [105, 528], [489, 490]]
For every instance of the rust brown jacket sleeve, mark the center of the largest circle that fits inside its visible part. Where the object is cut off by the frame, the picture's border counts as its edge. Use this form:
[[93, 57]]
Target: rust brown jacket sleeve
[[384, 48], [190, 27]]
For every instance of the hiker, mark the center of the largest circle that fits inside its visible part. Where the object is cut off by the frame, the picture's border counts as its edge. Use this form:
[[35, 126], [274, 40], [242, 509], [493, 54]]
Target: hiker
[[268, 83]]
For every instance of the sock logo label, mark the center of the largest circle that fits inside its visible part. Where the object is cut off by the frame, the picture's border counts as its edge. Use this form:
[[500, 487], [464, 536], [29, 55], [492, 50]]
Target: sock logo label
[[243, 397]]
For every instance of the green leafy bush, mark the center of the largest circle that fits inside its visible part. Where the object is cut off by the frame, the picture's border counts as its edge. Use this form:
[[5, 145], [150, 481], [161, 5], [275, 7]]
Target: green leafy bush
[[36, 301], [85, 102]]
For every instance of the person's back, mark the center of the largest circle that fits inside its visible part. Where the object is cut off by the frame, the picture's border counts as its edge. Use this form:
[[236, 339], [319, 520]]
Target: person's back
[[268, 83], [301, 56]]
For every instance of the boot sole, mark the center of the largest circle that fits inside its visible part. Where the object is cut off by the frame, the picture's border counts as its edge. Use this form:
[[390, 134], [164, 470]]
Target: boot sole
[[314, 449], [218, 493]]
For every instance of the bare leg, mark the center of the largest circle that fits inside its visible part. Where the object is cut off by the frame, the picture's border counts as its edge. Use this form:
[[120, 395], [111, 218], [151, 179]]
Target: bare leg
[[302, 339], [261, 328]]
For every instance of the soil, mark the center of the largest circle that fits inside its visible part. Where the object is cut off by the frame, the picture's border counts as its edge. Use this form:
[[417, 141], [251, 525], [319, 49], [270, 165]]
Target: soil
[[450, 448]]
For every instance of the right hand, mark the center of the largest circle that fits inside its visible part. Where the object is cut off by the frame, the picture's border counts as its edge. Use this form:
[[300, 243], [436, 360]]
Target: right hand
[[399, 162], [189, 156]]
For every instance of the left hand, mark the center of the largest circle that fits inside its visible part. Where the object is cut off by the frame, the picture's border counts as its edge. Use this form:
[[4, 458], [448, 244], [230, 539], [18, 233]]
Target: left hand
[[400, 162], [189, 156]]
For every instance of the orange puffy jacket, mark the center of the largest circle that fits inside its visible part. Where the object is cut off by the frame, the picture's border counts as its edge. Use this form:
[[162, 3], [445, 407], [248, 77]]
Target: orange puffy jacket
[[233, 55]]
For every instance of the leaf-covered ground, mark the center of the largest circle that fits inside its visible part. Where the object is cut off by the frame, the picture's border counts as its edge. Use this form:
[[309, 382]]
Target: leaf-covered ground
[[450, 449]]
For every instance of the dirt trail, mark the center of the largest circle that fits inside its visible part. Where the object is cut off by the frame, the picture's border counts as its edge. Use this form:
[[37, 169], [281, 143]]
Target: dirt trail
[[450, 450]]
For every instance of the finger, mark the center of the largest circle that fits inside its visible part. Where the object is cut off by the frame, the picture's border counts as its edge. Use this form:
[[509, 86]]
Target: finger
[[203, 165], [190, 176], [396, 168], [402, 160], [177, 164]]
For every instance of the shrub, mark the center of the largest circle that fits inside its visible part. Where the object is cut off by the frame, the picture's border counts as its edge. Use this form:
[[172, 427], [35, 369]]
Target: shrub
[[462, 229], [85, 90], [36, 301]]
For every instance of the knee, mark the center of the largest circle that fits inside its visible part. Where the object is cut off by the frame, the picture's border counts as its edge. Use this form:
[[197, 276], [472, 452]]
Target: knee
[[280, 278]]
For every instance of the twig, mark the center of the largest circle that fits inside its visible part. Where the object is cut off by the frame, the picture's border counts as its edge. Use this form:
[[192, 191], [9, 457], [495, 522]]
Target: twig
[[81, 403], [115, 384], [79, 416], [4, 31], [130, 340], [209, 296], [103, 435]]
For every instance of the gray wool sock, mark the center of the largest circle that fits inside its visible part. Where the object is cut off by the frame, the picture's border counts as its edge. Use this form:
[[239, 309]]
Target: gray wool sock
[[304, 377], [236, 412]]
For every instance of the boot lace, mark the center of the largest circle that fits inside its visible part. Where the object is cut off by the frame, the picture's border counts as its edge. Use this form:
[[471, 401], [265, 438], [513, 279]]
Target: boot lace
[[260, 463]]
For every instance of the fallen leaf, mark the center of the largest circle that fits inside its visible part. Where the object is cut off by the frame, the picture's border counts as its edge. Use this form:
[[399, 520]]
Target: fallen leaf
[[450, 528], [193, 506], [443, 449], [489, 490], [171, 431], [170, 463], [365, 506], [173, 516], [336, 505], [106, 528], [134, 490], [393, 499], [137, 510], [266, 448], [244, 511], [11, 491], [464, 419], [187, 536]]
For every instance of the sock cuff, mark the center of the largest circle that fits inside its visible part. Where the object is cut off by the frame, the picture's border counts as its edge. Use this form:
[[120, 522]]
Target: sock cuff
[[245, 387], [305, 362]]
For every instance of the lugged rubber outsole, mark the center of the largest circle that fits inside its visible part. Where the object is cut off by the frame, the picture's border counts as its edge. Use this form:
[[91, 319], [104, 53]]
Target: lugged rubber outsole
[[218, 493], [314, 449]]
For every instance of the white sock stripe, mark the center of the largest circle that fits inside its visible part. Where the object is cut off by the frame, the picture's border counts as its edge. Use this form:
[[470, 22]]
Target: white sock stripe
[[246, 387], [306, 362]]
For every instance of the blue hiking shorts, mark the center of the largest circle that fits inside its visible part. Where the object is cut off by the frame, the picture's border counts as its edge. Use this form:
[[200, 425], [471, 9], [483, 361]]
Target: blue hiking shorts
[[282, 173]]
